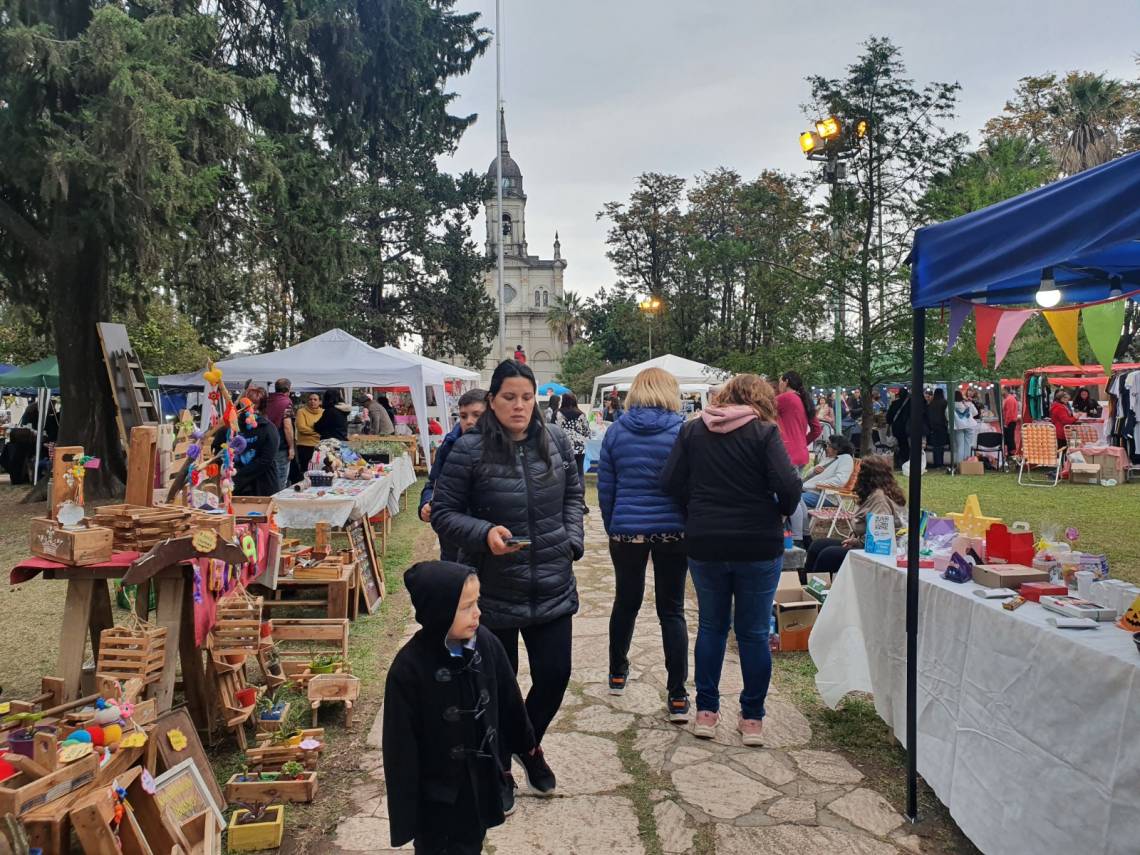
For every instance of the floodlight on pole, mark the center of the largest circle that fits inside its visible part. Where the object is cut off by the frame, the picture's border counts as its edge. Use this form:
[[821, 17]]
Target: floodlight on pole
[[650, 306], [828, 128]]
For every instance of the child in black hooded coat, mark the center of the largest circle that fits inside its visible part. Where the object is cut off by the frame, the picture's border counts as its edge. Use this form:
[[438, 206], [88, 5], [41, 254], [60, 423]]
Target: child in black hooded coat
[[451, 698]]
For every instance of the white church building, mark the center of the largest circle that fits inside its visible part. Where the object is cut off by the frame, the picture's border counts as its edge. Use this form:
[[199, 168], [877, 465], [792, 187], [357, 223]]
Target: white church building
[[531, 285]]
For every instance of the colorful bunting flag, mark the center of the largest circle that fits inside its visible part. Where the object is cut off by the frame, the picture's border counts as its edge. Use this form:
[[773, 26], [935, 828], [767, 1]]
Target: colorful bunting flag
[[1064, 326], [959, 311], [1008, 326], [1103, 325], [986, 319]]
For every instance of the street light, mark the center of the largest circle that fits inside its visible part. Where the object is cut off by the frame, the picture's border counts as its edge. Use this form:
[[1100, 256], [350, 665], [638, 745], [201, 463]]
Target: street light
[[650, 306]]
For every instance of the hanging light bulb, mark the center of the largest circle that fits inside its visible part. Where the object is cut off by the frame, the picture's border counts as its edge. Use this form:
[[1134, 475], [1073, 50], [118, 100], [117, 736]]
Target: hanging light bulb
[[1047, 295], [1114, 290]]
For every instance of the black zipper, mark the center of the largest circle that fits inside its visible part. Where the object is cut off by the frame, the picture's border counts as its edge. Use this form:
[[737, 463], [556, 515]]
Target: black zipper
[[530, 533]]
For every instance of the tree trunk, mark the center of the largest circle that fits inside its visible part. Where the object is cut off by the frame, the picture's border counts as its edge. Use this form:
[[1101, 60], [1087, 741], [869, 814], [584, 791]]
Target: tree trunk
[[82, 298]]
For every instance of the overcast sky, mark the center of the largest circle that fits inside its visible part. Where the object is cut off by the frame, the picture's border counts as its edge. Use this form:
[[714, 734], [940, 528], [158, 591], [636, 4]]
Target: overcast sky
[[598, 92]]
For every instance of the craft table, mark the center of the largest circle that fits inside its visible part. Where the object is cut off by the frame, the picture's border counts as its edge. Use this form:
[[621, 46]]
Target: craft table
[[1030, 735], [345, 500]]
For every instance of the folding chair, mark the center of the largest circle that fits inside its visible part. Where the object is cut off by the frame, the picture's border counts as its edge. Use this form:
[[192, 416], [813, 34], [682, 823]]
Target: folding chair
[[843, 508], [1039, 448], [991, 441], [1078, 435]]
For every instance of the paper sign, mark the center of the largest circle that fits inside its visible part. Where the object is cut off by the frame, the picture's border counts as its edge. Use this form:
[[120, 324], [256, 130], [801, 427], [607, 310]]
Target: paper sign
[[177, 739], [880, 538]]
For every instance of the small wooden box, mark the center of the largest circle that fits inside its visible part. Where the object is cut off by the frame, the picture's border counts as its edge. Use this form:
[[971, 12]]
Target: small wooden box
[[80, 546], [293, 792], [132, 652], [22, 793], [257, 835]]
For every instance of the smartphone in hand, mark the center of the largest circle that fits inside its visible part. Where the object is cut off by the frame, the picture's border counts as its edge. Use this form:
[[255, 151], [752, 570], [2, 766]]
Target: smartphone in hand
[[517, 541]]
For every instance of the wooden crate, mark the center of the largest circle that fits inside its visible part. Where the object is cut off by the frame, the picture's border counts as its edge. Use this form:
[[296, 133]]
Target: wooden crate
[[223, 524], [238, 624], [256, 836], [23, 793], [135, 650], [292, 792], [267, 757], [138, 528], [79, 547], [328, 570]]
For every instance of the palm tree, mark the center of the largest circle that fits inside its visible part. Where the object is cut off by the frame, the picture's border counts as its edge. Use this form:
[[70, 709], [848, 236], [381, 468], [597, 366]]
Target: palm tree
[[565, 318], [1092, 108]]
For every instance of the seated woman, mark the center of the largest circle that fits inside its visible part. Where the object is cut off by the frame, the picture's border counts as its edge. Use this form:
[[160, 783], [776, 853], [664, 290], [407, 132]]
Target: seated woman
[[835, 472], [1086, 404], [878, 493]]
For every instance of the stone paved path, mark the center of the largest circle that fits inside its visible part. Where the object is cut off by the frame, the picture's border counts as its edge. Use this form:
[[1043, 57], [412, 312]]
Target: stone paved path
[[623, 768]]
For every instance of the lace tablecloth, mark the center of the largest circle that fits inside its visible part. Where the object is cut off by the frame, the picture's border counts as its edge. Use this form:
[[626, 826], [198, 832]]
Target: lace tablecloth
[[345, 500]]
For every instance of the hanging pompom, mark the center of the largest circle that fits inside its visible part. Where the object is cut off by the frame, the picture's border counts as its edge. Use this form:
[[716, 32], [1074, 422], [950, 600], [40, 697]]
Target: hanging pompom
[[250, 421], [192, 452], [237, 445], [212, 470], [196, 434]]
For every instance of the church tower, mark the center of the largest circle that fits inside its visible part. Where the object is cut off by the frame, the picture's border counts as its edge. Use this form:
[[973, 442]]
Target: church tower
[[531, 285]]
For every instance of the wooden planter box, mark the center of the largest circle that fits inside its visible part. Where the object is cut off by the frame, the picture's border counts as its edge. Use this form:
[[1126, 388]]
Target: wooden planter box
[[267, 757], [256, 835], [269, 725], [292, 792], [127, 652], [79, 547], [23, 793]]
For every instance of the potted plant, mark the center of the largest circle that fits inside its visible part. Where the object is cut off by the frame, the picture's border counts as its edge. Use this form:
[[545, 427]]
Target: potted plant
[[326, 663], [22, 740], [267, 629], [244, 776], [256, 826], [286, 736], [268, 776], [293, 770], [246, 697]]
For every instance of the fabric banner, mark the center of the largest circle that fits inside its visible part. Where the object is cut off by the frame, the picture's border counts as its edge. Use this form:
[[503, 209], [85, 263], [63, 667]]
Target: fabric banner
[[1064, 326], [986, 319], [1103, 325], [959, 311], [1009, 325]]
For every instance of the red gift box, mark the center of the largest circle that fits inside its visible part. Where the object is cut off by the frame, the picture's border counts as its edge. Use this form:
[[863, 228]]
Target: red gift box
[[1034, 590], [1006, 547]]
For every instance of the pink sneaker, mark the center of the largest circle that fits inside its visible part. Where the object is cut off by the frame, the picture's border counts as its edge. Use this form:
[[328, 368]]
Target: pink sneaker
[[750, 730], [705, 725]]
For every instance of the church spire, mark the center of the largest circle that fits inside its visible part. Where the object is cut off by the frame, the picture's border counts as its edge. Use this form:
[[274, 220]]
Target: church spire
[[503, 150], [557, 247]]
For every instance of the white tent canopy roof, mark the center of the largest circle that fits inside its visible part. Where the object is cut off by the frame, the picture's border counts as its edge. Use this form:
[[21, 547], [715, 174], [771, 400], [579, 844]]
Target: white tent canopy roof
[[685, 370], [451, 372]]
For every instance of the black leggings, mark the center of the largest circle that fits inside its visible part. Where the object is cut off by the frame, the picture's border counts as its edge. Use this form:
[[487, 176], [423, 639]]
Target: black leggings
[[548, 647], [825, 555], [580, 460], [670, 565]]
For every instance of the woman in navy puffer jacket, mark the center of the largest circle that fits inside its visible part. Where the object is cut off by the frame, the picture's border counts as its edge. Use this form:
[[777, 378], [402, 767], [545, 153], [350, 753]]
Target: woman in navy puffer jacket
[[642, 520]]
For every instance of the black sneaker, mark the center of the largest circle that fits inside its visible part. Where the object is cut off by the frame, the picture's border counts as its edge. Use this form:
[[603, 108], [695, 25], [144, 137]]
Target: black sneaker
[[539, 777], [678, 710], [508, 792], [617, 683]]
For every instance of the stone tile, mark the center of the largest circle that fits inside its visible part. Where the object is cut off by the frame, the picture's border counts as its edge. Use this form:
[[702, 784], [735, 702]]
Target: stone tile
[[598, 718], [638, 698], [364, 834], [790, 809], [767, 765], [673, 828], [687, 755], [784, 725], [719, 791], [584, 764], [827, 766], [581, 826], [912, 843], [586, 627], [653, 745], [802, 840], [867, 810]]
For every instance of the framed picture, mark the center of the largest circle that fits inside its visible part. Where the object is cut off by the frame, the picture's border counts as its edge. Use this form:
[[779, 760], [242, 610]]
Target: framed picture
[[183, 792]]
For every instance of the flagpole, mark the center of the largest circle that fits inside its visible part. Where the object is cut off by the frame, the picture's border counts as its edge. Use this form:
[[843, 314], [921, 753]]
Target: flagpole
[[498, 225]]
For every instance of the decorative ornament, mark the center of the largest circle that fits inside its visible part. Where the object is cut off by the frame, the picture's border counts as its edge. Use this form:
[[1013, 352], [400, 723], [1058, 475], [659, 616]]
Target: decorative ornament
[[1072, 534], [971, 522], [177, 739], [238, 444], [71, 751], [147, 782], [212, 470], [138, 740], [192, 451], [126, 710], [204, 540], [309, 744], [69, 514], [213, 376], [249, 547], [198, 597]]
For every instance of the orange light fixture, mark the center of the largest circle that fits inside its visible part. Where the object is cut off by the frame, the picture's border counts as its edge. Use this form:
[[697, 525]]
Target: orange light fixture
[[861, 128], [827, 128], [807, 142]]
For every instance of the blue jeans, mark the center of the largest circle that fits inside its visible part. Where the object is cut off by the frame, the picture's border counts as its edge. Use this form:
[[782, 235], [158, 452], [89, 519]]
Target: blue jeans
[[752, 586]]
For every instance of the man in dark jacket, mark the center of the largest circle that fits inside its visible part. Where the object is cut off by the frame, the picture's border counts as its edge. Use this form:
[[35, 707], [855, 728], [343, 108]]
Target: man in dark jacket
[[471, 407], [450, 701], [256, 459]]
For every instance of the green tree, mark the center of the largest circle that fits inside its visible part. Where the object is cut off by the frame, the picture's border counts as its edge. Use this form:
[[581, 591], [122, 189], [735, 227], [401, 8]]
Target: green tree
[[1001, 168], [873, 219], [565, 318], [1091, 108], [23, 339], [582, 363], [616, 327], [164, 339]]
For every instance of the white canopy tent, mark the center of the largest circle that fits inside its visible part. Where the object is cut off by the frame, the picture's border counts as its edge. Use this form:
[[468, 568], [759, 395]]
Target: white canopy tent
[[336, 359], [685, 370]]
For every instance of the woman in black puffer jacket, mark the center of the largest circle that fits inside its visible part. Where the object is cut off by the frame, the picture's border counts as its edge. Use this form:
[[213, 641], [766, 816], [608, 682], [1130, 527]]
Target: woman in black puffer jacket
[[515, 476]]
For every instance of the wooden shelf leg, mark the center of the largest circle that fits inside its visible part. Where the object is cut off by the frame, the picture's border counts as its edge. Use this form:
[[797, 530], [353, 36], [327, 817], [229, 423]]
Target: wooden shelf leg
[[73, 634], [101, 617], [193, 672], [170, 594]]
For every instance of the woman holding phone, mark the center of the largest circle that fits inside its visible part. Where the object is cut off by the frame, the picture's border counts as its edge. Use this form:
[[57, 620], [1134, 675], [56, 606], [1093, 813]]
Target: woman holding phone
[[510, 498]]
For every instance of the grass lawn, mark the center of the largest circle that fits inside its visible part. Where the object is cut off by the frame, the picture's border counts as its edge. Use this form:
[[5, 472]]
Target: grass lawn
[[1103, 515]]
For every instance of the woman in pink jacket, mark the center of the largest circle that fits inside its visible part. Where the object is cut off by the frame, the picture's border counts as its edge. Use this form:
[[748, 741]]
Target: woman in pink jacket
[[799, 427]]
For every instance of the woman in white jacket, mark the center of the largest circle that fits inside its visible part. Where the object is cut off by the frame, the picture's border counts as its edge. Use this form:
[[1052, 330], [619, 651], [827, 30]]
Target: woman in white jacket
[[965, 427], [835, 472]]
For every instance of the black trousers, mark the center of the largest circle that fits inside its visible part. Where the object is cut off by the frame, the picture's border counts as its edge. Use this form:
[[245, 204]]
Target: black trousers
[[548, 648], [670, 566], [1010, 431], [938, 455], [825, 555], [447, 843], [304, 455], [902, 450], [580, 460]]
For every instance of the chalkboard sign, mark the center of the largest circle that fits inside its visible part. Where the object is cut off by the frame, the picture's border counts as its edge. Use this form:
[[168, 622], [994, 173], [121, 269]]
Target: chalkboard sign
[[369, 572]]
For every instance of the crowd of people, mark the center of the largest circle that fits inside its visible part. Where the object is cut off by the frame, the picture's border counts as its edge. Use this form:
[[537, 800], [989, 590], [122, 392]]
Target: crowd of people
[[711, 497]]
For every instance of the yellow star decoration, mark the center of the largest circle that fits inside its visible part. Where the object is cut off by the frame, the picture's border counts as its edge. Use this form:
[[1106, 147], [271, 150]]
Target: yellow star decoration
[[971, 522]]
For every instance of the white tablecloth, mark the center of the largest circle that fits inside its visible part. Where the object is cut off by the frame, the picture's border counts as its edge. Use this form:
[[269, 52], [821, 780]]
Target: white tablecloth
[[1029, 734], [305, 509]]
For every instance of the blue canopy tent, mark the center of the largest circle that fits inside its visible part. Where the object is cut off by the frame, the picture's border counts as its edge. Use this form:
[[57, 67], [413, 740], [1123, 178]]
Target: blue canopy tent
[[1086, 228]]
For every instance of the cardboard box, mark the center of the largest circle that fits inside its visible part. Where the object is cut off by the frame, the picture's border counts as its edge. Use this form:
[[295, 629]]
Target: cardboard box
[[1110, 467], [1084, 473], [1033, 591], [80, 546], [971, 467], [1007, 575], [797, 615], [795, 639], [1009, 547], [789, 589]]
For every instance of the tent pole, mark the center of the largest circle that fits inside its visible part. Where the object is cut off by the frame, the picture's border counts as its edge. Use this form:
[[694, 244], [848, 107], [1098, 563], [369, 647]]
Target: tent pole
[[43, 397], [914, 502]]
